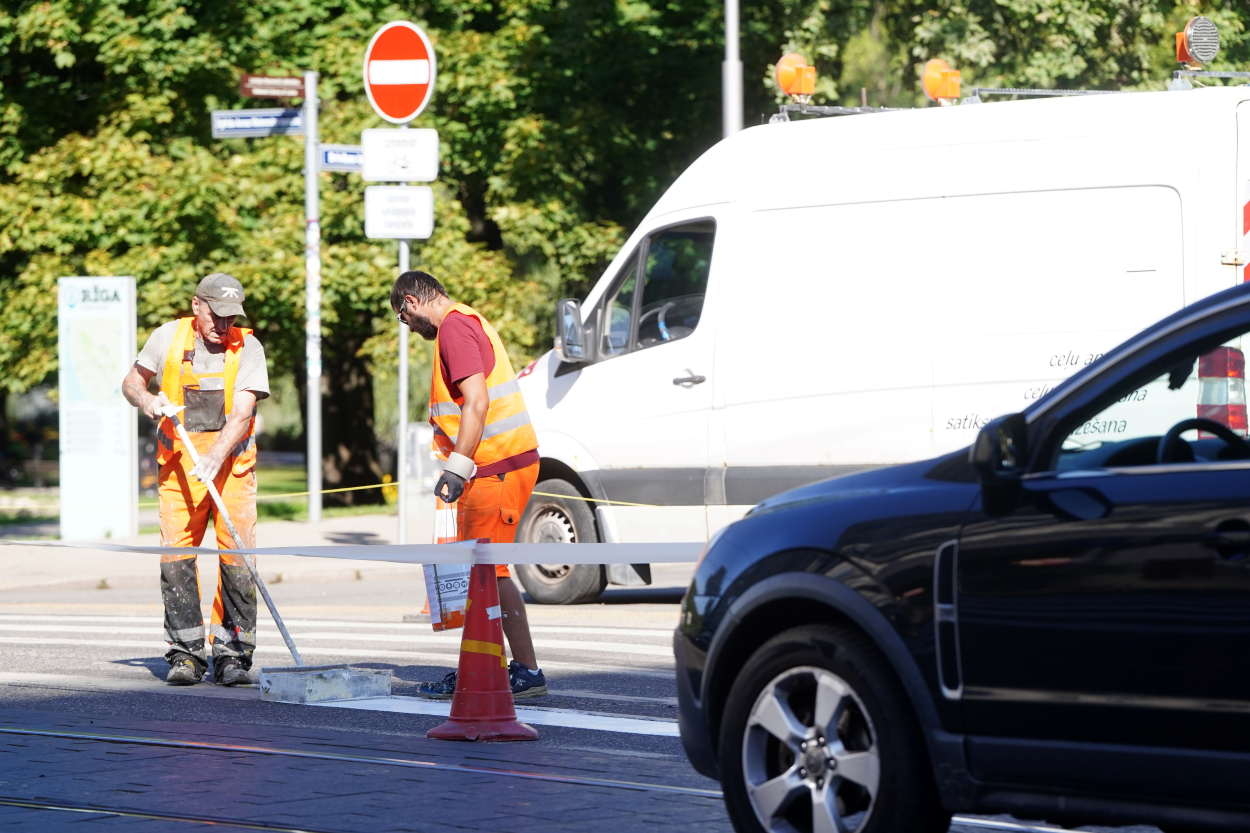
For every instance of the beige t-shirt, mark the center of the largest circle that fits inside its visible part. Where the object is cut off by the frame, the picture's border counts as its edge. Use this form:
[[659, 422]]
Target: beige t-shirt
[[210, 358]]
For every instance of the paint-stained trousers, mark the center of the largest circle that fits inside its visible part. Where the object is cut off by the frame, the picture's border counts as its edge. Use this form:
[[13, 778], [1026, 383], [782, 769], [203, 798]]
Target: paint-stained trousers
[[185, 509]]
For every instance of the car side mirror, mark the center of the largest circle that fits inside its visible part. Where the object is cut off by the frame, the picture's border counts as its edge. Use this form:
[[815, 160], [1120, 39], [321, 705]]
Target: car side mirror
[[999, 457], [570, 338]]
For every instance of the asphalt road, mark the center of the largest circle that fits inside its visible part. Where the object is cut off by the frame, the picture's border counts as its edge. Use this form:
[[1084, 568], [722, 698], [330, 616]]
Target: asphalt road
[[90, 734]]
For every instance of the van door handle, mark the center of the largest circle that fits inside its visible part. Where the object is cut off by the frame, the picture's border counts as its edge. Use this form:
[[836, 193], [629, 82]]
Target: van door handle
[[689, 380]]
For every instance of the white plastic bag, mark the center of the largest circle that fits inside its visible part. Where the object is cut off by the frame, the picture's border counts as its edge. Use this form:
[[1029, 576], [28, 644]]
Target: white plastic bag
[[446, 585]]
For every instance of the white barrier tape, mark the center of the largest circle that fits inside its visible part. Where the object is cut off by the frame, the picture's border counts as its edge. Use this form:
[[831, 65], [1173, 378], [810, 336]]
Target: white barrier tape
[[459, 552]]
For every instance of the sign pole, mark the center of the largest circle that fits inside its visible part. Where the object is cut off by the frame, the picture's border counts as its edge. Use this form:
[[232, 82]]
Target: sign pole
[[731, 73], [312, 295], [401, 470]]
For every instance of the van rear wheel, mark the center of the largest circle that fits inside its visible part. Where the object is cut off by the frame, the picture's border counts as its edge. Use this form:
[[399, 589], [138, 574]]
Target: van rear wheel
[[559, 517]]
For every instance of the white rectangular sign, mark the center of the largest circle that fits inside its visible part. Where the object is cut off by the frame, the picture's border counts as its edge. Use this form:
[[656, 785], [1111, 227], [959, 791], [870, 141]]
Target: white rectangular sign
[[399, 212], [396, 155], [99, 429]]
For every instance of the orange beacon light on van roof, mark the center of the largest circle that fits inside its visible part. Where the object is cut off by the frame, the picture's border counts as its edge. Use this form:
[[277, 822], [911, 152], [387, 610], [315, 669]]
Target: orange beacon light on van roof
[[1198, 44], [940, 82], [794, 77]]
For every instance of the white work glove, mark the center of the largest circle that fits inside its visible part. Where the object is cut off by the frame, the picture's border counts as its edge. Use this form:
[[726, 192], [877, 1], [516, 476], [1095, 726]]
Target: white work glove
[[457, 471], [155, 405], [206, 469]]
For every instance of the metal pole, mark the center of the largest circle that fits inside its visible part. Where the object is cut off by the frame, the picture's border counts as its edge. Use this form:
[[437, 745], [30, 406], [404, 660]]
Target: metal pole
[[312, 294], [401, 447], [401, 469], [731, 73]]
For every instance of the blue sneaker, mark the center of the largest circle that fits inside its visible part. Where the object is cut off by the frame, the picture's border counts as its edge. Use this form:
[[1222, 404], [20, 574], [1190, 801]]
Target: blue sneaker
[[441, 690], [526, 683]]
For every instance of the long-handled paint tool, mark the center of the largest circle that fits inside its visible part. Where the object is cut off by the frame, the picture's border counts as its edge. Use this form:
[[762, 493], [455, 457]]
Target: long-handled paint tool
[[301, 683]]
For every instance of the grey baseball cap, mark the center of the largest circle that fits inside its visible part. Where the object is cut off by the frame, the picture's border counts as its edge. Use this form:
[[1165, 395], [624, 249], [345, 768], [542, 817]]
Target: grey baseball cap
[[223, 293]]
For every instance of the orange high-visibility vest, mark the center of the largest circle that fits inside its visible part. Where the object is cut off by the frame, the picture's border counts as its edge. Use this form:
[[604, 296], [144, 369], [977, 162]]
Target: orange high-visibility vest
[[179, 375], [508, 431]]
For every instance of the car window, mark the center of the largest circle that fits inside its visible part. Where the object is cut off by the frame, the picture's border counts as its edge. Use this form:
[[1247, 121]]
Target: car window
[[1130, 431], [618, 318], [675, 279]]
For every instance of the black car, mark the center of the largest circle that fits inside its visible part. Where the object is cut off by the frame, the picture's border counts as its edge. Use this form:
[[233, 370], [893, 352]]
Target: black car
[[1054, 623]]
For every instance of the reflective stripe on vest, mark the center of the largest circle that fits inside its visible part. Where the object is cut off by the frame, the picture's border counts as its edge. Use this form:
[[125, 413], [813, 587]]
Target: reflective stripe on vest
[[179, 371], [507, 431]]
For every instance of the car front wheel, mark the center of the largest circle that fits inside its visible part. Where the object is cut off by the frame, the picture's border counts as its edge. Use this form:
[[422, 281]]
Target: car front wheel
[[818, 737]]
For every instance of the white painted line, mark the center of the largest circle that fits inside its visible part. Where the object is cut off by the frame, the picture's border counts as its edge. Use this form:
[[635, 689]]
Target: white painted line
[[567, 718], [618, 698], [156, 621], [353, 654], [399, 72], [450, 641], [995, 824]]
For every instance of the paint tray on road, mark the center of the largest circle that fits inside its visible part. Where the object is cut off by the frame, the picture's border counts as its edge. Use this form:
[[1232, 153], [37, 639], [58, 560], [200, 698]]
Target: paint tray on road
[[321, 683]]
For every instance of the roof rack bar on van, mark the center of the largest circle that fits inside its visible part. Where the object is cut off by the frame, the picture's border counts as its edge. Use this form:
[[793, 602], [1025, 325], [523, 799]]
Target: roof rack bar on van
[[977, 91], [783, 115], [1202, 73]]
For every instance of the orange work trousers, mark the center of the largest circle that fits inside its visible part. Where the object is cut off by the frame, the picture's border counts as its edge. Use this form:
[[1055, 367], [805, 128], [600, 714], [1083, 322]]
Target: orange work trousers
[[185, 509], [491, 507]]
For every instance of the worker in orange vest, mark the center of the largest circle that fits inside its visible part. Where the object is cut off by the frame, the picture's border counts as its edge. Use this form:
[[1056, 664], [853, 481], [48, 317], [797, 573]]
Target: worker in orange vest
[[217, 371], [483, 434]]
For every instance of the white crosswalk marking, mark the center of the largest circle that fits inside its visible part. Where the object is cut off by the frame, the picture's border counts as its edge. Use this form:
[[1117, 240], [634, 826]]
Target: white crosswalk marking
[[640, 656]]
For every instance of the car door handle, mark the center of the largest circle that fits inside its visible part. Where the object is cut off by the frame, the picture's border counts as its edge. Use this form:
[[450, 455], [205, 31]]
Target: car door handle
[[1228, 542], [689, 380]]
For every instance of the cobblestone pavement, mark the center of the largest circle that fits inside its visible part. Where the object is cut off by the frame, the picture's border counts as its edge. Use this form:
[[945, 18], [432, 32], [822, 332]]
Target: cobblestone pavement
[[83, 650], [332, 793]]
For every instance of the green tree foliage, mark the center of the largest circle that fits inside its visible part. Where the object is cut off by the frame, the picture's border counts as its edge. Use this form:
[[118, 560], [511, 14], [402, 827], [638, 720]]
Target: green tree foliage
[[561, 120], [549, 151]]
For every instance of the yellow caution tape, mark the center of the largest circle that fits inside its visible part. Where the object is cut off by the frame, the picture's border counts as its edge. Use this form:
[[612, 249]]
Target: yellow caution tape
[[476, 646]]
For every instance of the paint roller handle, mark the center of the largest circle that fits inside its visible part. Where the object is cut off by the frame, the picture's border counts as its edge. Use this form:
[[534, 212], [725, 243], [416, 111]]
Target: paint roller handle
[[238, 541]]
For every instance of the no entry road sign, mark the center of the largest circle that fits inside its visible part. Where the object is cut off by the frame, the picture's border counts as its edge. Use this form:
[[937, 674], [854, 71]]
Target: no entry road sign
[[242, 124], [399, 71], [269, 86]]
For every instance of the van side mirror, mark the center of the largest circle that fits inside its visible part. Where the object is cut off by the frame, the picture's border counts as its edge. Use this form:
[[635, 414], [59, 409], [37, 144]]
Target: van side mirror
[[570, 340], [999, 457]]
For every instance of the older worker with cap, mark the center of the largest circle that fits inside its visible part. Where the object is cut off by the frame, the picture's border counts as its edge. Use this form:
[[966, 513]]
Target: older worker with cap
[[217, 372]]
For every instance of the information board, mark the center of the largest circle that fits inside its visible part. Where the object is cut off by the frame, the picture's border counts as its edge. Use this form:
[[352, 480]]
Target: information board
[[399, 212], [98, 428]]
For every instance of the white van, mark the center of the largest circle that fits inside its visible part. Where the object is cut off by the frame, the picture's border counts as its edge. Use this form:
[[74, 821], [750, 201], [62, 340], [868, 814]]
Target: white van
[[815, 297]]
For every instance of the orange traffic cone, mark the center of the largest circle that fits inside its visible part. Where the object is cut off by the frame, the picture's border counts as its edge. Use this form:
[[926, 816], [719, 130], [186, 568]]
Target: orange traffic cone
[[481, 708]]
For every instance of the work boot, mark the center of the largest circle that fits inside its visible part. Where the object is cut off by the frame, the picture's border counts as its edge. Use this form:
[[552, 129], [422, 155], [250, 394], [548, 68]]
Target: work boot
[[441, 690], [232, 672], [184, 671], [526, 683]]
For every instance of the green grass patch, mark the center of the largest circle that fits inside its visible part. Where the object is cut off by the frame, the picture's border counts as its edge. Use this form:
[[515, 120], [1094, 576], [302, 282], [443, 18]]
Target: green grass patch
[[283, 480]]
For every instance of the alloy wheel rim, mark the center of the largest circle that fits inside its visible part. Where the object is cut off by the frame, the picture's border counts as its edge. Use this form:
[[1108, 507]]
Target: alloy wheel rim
[[810, 755]]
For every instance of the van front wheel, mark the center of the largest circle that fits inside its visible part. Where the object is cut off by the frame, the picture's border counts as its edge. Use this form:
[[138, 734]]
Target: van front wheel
[[559, 517]]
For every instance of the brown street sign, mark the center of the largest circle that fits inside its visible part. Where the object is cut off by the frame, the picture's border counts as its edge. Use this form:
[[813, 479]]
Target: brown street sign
[[268, 86]]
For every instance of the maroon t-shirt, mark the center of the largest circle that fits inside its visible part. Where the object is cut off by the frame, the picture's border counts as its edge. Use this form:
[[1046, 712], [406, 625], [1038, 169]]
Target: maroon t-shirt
[[464, 349]]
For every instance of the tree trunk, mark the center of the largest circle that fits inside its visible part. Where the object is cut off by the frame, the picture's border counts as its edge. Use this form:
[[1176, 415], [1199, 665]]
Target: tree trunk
[[348, 444]]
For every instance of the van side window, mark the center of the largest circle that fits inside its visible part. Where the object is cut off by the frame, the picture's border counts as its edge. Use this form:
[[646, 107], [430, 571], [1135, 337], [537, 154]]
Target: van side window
[[674, 283], [618, 319]]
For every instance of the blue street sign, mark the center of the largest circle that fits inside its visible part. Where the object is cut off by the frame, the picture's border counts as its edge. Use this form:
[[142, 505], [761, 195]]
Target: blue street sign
[[243, 124], [347, 158]]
